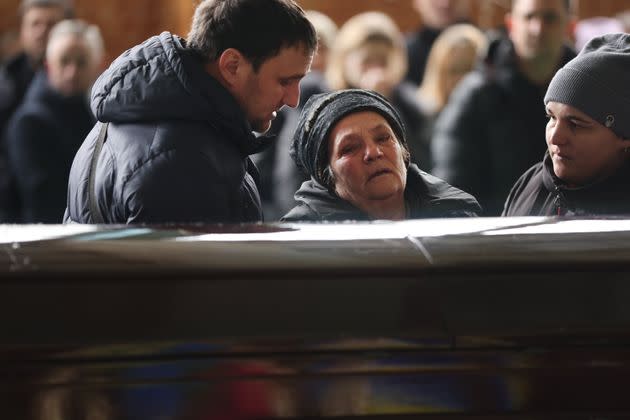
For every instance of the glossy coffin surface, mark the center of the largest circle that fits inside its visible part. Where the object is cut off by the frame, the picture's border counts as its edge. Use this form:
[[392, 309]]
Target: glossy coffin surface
[[483, 318]]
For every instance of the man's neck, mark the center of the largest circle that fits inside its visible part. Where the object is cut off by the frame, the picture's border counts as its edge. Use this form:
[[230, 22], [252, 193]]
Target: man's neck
[[539, 70]]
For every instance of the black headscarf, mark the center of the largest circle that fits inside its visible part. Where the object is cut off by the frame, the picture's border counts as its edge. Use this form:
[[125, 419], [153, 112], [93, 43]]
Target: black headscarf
[[309, 148]]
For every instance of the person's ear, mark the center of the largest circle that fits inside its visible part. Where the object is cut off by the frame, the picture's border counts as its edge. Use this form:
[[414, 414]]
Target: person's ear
[[507, 20], [231, 66], [571, 25], [626, 146]]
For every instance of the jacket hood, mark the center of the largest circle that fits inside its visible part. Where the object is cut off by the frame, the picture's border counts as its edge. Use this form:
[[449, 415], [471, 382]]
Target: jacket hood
[[161, 80]]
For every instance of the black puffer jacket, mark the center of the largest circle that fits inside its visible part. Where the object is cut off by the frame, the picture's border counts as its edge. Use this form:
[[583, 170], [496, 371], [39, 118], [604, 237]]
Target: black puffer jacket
[[492, 130], [426, 196], [540, 193], [44, 135], [177, 146]]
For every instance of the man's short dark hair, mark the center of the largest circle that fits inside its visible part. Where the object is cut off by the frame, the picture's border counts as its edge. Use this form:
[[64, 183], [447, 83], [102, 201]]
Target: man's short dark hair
[[259, 29], [65, 5]]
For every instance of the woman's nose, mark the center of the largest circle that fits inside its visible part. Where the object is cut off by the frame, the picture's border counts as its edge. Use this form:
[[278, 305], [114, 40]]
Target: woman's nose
[[373, 151]]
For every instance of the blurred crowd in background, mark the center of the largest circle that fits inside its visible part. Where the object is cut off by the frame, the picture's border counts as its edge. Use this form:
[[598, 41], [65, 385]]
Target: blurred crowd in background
[[460, 90]]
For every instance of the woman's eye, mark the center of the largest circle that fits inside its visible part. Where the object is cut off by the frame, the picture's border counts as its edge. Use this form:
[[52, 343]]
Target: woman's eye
[[347, 149], [383, 138]]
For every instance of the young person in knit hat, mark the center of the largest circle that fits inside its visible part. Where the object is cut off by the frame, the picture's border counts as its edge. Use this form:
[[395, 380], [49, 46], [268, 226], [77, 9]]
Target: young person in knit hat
[[353, 146], [586, 170]]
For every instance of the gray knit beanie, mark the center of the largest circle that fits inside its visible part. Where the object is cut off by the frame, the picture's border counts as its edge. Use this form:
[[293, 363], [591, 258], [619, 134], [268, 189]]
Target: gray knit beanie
[[597, 82], [309, 148]]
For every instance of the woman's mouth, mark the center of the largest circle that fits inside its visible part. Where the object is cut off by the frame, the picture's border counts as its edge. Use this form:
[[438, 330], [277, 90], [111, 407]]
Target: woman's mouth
[[379, 173]]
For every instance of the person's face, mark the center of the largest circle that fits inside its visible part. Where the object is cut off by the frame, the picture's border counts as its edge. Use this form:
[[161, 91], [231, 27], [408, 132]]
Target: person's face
[[441, 13], [70, 65], [366, 160], [36, 25], [538, 28], [582, 150], [275, 84], [370, 67]]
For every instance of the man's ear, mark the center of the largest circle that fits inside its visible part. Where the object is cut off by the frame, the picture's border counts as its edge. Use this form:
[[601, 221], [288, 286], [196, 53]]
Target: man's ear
[[626, 145], [231, 64]]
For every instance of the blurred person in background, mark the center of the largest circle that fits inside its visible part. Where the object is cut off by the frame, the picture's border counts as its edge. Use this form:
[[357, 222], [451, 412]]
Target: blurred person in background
[[489, 132], [624, 18], [436, 15], [48, 127], [178, 117], [9, 45], [278, 173], [586, 170], [37, 17], [587, 29], [352, 144], [454, 54], [369, 53]]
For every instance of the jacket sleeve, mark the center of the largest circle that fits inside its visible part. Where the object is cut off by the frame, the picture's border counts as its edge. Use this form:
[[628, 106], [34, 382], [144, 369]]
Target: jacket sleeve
[[458, 145], [39, 177]]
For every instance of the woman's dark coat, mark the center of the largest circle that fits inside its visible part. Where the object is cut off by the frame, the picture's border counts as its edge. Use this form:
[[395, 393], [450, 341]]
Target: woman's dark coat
[[425, 195]]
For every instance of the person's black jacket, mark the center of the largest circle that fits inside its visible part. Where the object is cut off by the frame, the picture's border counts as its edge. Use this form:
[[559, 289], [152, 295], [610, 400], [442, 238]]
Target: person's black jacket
[[405, 100], [492, 130], [43, 136], [419, 45], [540, 193], [426, 196], [177, 146], [16, 75]]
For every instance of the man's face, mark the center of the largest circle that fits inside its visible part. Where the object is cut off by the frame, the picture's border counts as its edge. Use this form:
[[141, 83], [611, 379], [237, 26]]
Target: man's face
[[275, 84], [538, 28], [367, 160], [36, 25], [439, 14], [582, 150], [70, 65]]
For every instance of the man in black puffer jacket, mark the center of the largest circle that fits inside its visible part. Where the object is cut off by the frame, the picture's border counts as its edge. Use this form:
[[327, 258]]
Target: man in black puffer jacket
[[181, 115], [492, 129]]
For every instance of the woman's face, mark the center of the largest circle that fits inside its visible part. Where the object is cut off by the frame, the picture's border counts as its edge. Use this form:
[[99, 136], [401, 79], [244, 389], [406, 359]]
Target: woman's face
[[582, 150], [367, 160]]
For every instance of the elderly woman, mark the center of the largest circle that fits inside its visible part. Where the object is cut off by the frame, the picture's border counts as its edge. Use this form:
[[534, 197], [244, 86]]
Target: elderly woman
[[586, 170], [352, 144]]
